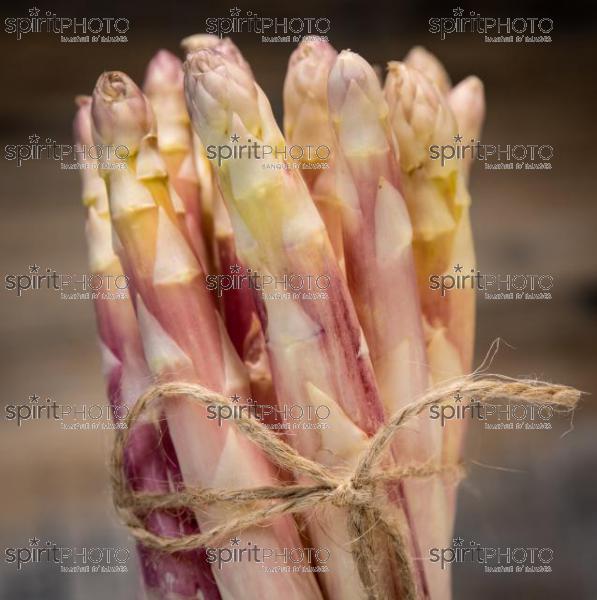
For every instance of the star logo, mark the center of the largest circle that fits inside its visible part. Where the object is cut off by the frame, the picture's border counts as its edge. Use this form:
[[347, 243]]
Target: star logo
[[457, 542], [458, 12], [234, 138], [234, 12], [33, 139], [33, 12], [235, 269], [458, 397], [458, 138], [458, 268], [235, 541], [34, 541], [34, 398], [34, 268], [235, 398]]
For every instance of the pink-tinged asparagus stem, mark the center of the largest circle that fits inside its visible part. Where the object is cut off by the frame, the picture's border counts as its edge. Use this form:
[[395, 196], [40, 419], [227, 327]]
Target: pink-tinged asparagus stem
[[437, 200], [164, 88], [316, 347], [381, 277], [468, 105], [438, 203], [149, 465], [182, 336], [212, 204], [240, 312], [427, 63], [184, 575], [307, 124], [237, 304]]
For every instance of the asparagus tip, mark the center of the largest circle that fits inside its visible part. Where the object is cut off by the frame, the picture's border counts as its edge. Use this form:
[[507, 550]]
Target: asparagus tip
[[165, 68], [198, 41], [121, 113]]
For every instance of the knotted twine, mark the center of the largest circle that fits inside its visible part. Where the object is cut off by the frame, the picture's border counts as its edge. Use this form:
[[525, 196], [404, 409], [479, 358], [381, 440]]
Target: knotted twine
[[357, 492]]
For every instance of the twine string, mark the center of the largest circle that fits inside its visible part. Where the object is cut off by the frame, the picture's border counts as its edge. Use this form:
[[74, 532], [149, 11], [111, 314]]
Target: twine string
[[371, 531]]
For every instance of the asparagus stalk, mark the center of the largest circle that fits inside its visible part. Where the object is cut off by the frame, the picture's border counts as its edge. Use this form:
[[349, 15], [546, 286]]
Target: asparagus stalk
[[182, 336], [438, 203], [306, 123], [237, 304], [183, 575], [212, 202], [468, 105], [467, 101], [316, 348], [381, 277], [164, 87]]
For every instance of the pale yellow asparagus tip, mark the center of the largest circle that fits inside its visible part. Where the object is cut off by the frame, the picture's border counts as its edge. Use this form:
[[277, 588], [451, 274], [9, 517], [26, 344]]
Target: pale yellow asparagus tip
[[305, 93], [164, 71], [358, 108], [216, 87], [164, 82], [225, 46], [467, 101], [199, 41], [121, 113], [350, 71], [420, 58], [419, 117]]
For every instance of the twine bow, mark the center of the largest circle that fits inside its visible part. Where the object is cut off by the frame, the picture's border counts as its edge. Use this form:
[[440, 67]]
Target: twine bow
[[370, 529]]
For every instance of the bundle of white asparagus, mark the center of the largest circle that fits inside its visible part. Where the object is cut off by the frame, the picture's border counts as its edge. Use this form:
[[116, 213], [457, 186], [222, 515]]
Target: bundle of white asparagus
[[288, 271]]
